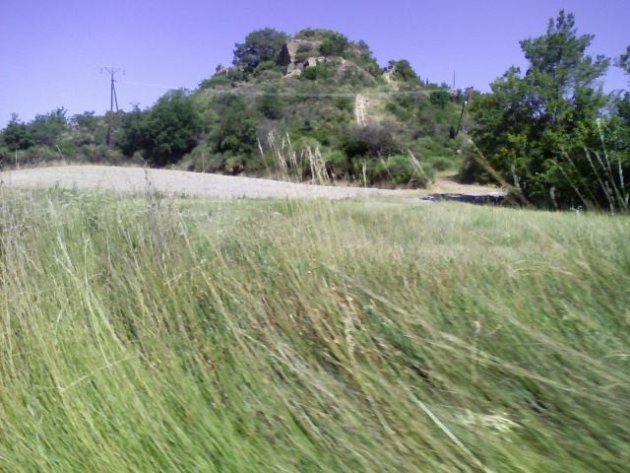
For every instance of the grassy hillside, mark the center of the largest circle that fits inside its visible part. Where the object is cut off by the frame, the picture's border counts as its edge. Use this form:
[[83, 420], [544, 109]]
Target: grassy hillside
[[183, 335]]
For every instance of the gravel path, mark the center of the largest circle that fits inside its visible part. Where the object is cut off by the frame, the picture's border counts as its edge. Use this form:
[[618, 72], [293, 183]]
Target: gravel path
[[130, 179]]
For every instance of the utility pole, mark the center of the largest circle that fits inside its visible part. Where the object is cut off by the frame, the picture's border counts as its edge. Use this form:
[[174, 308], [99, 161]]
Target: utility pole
[[113, 98]]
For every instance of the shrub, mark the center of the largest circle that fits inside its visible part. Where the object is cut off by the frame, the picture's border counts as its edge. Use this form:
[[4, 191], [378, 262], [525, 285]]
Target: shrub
[[440, 98], [270, 105], [397, 170], [334, 45], [372, 140], [403, 71]]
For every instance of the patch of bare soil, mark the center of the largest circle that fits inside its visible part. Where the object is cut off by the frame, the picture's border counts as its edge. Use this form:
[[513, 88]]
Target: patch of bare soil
[[134, 180]]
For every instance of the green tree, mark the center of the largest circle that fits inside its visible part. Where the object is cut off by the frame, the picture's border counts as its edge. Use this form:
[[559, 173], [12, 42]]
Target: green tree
[[133, 132], [533, 128], [259, 46], [624, 61], [235, 132], [334, 44], [46, 129], [173, 127], [16, 135], [623, 104], [617, 130], [365, 58], [403, 71]]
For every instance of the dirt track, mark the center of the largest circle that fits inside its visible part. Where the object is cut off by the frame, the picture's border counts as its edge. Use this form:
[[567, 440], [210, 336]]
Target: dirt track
[[132, 179]]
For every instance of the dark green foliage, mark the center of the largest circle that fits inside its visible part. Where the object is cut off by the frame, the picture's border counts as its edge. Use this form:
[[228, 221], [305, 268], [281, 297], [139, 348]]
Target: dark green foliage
[[235, 131], [311, 33], [164, 133], [40, 140], [173, 127], [363, 56], [535, 129], [334, 45], [371, 141], [270, 105], [133, 137], [440, 98], [16, 135], [403, 71], [345, 104], [46, 129], [617, 129], [259, 46]]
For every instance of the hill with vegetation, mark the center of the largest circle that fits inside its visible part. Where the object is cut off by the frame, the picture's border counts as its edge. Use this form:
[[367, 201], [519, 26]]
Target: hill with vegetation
[[317, 106], [312, 102]]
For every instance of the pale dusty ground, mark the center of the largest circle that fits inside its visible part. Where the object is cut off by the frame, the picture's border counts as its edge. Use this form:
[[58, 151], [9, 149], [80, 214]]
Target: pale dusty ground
[[131, 179]]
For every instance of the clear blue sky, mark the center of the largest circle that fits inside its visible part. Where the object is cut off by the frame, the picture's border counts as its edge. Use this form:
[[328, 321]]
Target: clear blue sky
[[51, 51]]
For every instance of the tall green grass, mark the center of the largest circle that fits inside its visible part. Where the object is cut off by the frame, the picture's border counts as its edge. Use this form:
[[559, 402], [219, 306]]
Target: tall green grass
[[180, 335]]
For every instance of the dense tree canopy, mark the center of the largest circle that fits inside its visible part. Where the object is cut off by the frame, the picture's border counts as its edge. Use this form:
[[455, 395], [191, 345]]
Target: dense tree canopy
[[235, 132], [16, 135], [164, 133], [47, 129], [334, 45], [539, 130], [172, 126], [403, 71], [259, 46]]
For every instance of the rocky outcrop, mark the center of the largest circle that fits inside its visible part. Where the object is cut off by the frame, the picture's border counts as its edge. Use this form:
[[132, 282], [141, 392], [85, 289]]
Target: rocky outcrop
[[296, 50], [299, 54]]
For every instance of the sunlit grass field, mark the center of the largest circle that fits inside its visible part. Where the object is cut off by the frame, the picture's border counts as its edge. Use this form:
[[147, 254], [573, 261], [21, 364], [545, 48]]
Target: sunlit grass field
[[179, 335]]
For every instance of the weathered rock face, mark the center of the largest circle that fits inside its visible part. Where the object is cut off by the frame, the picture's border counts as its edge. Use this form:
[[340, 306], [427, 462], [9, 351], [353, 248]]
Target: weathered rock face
[[294, 50], [298, 54], [314, 61]]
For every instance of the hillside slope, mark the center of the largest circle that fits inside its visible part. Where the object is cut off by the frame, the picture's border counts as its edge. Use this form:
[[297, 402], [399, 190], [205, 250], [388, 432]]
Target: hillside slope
[[322, 94]]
